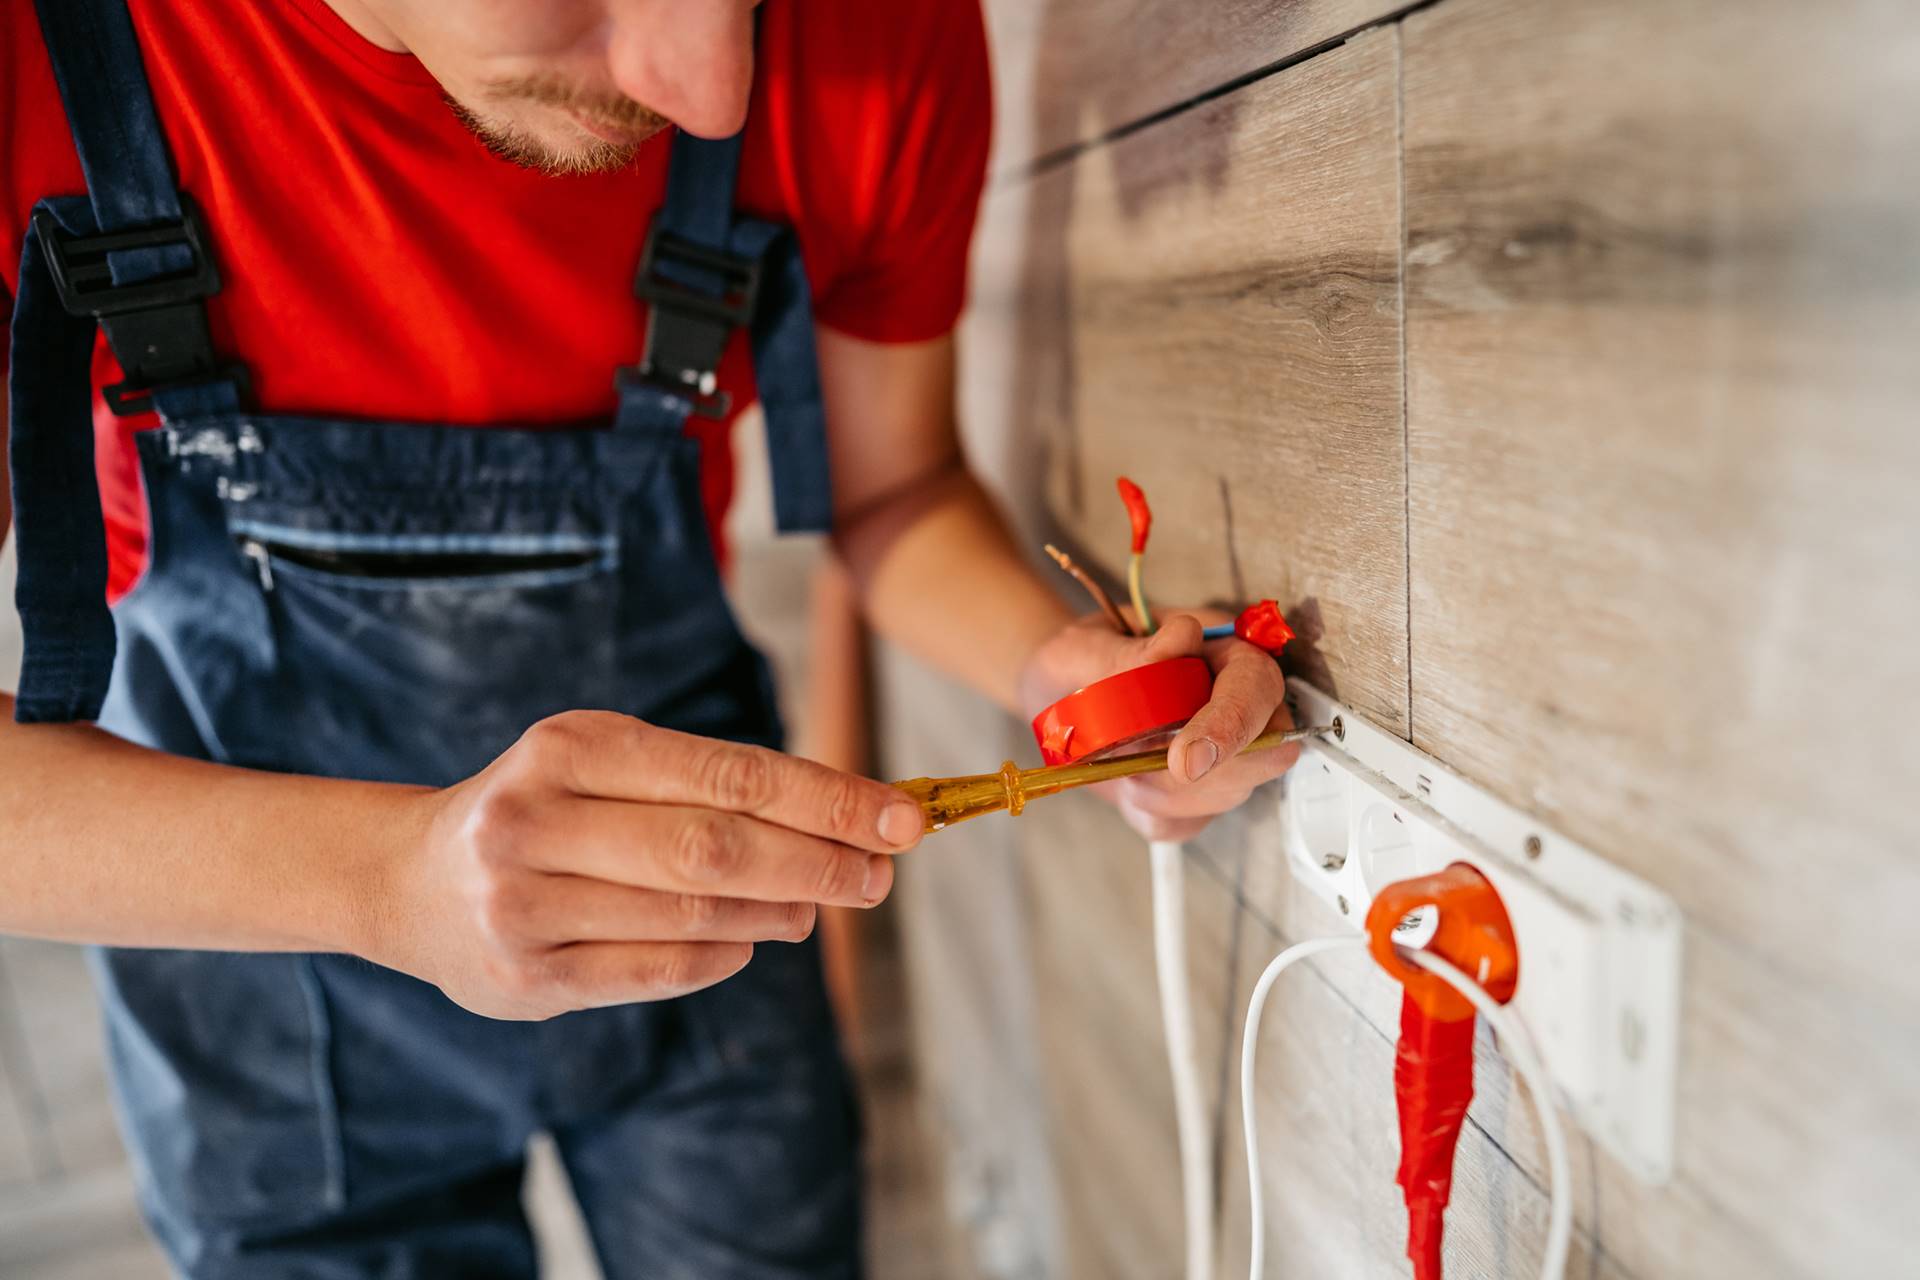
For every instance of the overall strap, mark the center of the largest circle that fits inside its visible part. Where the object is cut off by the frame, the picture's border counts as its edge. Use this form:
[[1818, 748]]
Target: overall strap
[[103, 85], [705, 273], [130, 257], [60, 534], [145, 268]]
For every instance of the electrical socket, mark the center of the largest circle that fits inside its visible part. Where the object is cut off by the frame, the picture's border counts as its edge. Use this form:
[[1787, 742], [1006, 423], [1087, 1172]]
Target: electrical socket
[[1599, 948]]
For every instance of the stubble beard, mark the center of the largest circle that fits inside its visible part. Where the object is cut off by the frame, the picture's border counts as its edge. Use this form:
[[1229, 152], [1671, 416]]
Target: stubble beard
[[589, 155]]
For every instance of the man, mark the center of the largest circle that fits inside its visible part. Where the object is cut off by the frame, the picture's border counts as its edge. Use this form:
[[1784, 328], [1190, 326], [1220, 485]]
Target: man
[[419, 655]]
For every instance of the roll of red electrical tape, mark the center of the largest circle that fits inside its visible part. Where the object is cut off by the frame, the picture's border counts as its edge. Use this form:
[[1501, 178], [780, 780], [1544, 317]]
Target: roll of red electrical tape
[[1121, 708]]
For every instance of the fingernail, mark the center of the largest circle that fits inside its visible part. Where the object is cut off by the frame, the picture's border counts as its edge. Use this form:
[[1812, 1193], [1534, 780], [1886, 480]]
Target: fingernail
[[900, 823], [1202, 755], [872, 890]]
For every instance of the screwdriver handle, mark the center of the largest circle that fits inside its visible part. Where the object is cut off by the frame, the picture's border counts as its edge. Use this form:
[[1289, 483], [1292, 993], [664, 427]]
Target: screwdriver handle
[[945, 801]]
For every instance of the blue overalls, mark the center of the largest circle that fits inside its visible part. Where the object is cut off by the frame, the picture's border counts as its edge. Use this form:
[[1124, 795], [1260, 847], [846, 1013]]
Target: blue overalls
[[398, 601]]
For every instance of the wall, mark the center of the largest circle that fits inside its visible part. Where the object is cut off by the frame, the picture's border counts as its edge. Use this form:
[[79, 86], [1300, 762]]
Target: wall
[[1553, 366]]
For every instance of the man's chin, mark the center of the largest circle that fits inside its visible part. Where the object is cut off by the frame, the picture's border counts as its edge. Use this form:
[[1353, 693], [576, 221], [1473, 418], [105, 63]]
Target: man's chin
[[585, 149]]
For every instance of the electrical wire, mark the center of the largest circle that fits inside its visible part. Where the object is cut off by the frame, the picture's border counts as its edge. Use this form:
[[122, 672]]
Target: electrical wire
[[1249, 1041], [1183, 1058], [1138, 593], [1515, 1043], [1140, 525], [1115, 619]]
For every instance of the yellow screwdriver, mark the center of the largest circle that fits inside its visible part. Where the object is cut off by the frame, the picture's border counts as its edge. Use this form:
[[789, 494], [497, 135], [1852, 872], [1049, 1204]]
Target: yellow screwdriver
[[946, 801]]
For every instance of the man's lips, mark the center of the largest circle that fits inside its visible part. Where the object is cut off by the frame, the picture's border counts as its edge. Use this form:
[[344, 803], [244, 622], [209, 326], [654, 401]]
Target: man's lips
[[619, 135]]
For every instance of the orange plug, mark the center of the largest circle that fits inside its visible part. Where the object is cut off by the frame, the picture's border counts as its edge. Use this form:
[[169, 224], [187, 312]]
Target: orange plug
[[1433, 1062], [1474, 934]]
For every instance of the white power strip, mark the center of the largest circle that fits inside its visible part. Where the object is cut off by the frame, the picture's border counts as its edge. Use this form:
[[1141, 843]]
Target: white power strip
[[1599, 948]]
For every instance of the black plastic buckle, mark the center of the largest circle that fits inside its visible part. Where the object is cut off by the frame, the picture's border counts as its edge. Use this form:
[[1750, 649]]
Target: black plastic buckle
[[157, 328], [689, 326]]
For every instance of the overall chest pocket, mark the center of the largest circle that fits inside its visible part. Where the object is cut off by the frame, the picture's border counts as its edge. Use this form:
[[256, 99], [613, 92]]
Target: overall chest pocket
[[420, 657], [475, 568], [472, 562]]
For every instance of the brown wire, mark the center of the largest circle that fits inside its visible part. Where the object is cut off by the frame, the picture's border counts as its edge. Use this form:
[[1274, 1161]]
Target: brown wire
[[1094, 589]]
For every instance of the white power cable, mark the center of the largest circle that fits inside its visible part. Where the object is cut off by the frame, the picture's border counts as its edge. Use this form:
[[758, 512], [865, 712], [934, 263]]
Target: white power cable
[[1249, 1041], [1514, 1042], [1183, 1059]]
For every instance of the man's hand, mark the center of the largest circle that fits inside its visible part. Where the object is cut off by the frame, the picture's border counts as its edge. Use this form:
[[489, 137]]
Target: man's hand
[[1206, 778], [602, 860]]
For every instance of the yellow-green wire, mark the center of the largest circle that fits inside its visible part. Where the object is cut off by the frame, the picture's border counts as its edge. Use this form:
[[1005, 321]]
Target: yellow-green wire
[[1139, 595]]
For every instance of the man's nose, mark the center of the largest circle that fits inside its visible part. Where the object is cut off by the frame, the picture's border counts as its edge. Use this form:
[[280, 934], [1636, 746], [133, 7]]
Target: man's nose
[[689, 60]]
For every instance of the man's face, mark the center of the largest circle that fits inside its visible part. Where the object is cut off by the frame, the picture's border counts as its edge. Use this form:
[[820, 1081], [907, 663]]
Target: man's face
[[575, 86]]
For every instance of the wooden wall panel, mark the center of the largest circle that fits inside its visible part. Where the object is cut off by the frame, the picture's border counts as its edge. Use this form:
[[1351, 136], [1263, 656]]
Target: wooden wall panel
[[967, 925], [16, 1135], [1147, 307], [1662, 404], [1066, 71], [54, 1005], [1214, 306], [1663, 284], [966, 932], [1109, 1091]]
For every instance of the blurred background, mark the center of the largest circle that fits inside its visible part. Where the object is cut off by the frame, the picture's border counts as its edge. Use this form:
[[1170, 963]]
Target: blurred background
[[1554, 367]]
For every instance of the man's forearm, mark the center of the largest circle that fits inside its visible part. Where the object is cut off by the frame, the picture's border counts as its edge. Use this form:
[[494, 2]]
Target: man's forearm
[[939, 574], [103, 841]]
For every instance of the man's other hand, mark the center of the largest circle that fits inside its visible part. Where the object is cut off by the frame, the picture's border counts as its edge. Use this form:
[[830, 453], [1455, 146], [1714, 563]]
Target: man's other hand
[[602, 860], [1207, 775]]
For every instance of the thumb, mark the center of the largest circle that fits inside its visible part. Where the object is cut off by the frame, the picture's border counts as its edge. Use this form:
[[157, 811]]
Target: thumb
[[1178, 637]]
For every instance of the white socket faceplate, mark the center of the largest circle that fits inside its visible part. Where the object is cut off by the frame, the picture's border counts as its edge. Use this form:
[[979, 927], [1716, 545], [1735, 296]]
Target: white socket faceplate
[[1599, 948]]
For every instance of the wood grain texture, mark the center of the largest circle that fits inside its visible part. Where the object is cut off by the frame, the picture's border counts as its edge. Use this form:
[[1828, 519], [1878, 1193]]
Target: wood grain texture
[[1663, 282], [18, 1112], [967, 924], [1066, 71], [1212, 308], [1109, 1089], [966, 934], [1662, 400], [81, 1228], [57, 1021], [76, 1214]]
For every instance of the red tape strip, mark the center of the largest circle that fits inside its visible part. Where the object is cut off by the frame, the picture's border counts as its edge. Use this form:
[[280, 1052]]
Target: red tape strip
[[1121, 707]]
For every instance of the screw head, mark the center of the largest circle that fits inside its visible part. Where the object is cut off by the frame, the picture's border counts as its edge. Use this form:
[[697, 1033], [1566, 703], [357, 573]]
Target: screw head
[[1345, 910], [1533, 848], [1339, 730]]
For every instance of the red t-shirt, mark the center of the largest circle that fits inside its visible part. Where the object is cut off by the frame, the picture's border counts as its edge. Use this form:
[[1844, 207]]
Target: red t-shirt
[[378, 262]]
